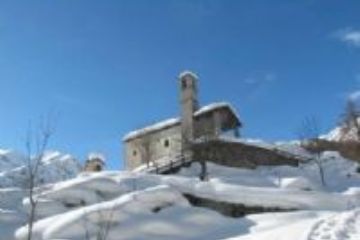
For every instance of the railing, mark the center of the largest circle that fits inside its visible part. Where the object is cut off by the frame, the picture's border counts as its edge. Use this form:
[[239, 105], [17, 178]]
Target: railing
[[173, 163]]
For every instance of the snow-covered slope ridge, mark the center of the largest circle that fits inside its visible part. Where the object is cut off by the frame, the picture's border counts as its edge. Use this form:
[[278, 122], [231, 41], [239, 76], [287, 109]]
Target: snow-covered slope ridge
[[130, 205]]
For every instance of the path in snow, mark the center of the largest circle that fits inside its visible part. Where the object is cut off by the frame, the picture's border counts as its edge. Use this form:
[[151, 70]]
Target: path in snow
[[341, 226]]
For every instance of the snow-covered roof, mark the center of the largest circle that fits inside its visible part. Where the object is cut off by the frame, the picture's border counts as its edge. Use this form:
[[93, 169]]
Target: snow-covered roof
[[96, 156], [187, 72], [152, 128], [214, 106], [174, 121]]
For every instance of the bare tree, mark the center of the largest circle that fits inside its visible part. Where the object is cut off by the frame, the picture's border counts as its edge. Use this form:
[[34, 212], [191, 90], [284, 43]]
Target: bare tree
[[104, 219], [309, 130], [309, 134], [105, 224], [205, 150], [349, 119], [36, 145], [203, 176]]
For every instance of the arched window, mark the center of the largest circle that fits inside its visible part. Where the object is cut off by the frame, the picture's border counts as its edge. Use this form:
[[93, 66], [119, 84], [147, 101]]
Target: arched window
[[166, 143], [134, 153]]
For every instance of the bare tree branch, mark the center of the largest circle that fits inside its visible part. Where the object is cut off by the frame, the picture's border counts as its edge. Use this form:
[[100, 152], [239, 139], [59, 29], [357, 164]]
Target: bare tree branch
[[41, 140], [309, 133]]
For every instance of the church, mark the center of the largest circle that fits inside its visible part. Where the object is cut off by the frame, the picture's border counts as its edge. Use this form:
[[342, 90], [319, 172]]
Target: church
[[210, 133], [166, 140]]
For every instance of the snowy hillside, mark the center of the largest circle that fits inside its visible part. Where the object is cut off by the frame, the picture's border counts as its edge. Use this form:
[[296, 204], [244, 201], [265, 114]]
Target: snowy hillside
[[54, 167], [128, 205], [342, 133], [337, 134]]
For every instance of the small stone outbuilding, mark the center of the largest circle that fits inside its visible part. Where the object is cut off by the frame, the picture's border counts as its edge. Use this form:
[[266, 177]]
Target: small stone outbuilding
[[95, 162]]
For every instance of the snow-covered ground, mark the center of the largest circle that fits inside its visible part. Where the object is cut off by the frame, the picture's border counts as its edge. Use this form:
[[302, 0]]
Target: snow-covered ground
[[54, 167], [117, 205]]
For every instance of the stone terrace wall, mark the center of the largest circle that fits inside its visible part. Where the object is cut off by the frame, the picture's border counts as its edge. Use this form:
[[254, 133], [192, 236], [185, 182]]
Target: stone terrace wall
[[347, 149], [237, 154]]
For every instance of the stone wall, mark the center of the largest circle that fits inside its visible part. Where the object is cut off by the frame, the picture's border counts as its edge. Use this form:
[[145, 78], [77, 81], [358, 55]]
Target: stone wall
[[93, 166], [136, 153], [230, 209], [237, 154]]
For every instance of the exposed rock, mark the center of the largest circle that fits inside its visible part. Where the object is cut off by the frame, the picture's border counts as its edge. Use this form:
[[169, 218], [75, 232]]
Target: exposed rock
[[230, 209]]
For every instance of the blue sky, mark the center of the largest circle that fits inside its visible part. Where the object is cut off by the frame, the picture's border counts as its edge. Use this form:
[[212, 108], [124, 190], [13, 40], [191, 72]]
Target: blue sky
[[107, 67]]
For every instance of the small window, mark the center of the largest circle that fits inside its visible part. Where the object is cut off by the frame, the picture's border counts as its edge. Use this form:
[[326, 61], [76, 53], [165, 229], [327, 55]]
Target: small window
[[166, 143], [134, 153]]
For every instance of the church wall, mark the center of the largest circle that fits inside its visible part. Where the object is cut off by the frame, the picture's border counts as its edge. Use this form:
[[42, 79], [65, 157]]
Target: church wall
[[152, 147], [161, 149], [132, 155], [205, 126]]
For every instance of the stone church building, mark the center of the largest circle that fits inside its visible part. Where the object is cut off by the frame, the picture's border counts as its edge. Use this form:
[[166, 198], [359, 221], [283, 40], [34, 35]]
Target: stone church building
[[191, 135]]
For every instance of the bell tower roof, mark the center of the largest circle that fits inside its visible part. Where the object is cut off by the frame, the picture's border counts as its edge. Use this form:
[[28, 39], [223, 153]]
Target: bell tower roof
[[188, 73]]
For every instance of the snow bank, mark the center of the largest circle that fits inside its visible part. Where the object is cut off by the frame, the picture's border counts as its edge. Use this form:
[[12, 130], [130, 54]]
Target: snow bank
[[71, 225], [338, 226], [258, 196], [11, 198], [157, 213], [88, 189], [135, 205], [299, 183], [281, 226], [10, 220]]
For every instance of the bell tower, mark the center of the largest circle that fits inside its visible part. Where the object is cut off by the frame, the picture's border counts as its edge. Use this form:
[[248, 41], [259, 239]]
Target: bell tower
[[189, 104]]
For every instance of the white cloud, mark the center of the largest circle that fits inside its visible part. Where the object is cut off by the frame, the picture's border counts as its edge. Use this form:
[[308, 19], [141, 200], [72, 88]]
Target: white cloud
[[354, 95], [349, 36], [270, 77], [357, 78], [250, 81], [259, 80], [259, 84]]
